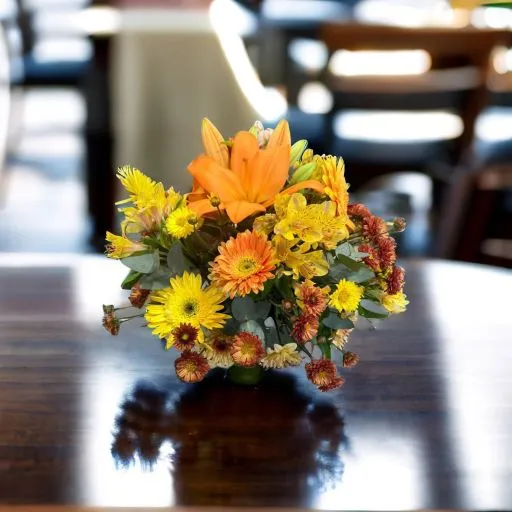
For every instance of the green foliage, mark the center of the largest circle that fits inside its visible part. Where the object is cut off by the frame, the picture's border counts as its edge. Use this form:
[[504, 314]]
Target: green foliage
[[361, 276], [371, 309], [145, 263], [334, 321], [157, 280], [245, 308], [347, 249], [130, 280], [177, 263]]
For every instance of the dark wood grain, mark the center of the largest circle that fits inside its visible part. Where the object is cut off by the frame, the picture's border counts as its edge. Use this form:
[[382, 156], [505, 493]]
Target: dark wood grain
[[86, 419]]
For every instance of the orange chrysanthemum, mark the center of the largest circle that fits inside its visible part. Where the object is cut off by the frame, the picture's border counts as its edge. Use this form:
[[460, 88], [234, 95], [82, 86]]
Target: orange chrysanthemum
[[191, 367], [184, 337], [323, 374], [372, 260], [350, 359], [386, 251], [358, 210], [247, 349], [311, 299], [305, 328], [374, 227], [395, 282], [244, 263]]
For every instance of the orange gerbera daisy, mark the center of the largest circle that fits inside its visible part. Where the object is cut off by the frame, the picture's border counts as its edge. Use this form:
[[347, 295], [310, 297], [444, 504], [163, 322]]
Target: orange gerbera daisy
[[247, 349], [191, 367], [248, 179], [244, 263]]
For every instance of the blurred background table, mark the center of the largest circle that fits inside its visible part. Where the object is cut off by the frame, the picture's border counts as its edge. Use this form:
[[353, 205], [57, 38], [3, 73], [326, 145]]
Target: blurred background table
[[88, 419]]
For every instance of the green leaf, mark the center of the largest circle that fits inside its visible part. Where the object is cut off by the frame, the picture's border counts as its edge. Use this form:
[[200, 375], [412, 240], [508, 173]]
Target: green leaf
[[334, 321], [143, 263], [267, 288], [371, 309], [285, 287], [362, 275], [130, 280], [326, 349], [244, 309], [157, 280], [177, 263], [350, 263], [345, 249], [254, 328], [338, 272]]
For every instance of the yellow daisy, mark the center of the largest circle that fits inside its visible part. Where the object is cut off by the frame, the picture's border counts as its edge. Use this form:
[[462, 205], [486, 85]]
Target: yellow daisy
[[346, 297], [395, 303], [140, 187], [281, 356], [122, 247], [185, 302], [182, 222]]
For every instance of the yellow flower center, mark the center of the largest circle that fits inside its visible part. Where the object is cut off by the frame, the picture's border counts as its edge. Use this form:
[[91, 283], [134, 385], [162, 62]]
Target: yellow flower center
[[246, 266]]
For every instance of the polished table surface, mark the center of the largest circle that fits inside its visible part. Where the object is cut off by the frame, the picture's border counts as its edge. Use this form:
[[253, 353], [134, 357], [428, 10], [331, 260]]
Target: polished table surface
[[424, 421]]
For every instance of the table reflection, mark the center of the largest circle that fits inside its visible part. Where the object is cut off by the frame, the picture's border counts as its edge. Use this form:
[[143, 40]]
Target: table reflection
[[218, 438]]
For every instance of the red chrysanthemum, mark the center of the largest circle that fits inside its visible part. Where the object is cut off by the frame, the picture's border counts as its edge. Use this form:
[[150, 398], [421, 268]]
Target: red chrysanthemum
[[374, 227], [305, 328], [138, 296], [184, 337], [323, 374], [386, 251], [395, 282], [358, 210], [247, 349], [191, 367], [311, 299], [372, 260], [350, 359]]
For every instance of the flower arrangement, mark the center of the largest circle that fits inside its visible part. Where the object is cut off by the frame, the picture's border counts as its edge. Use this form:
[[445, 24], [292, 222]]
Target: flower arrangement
[[264, 264]]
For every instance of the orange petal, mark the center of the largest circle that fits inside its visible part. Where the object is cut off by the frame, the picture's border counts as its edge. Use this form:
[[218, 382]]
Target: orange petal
[[312, 184], [239, 210], [202, 207], [216, 179], [245, 148], [281, 135], [213, 143], [269, 171]]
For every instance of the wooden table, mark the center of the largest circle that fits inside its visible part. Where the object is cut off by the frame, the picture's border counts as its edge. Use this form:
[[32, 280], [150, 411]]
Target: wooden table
[[424, 421]]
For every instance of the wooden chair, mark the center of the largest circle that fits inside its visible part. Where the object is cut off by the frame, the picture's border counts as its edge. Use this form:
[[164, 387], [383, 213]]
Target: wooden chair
[[456, 82]]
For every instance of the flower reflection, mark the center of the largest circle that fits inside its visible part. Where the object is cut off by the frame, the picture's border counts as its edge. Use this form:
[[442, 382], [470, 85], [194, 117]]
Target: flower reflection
[[272, 445]]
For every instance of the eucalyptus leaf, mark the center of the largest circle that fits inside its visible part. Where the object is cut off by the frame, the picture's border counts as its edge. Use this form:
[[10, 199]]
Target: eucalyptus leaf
[[177, 263], [130, 280], [254, 328], [245, 308], [344, 249], [271, 335], [350, 263], [338, 272], [371, 309], [362, 275], [157, 280], [144, 263], [334, 321]]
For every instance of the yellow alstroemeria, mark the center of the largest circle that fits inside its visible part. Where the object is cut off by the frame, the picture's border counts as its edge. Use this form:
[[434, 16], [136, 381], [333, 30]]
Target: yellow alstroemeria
[[121, 247], [253, 178], [300, 262]]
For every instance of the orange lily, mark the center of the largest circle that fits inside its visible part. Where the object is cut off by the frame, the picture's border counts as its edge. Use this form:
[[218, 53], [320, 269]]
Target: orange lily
[[252, 178]]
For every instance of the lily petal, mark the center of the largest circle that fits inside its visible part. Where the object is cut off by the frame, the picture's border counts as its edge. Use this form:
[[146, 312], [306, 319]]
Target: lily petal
[[216, 179], [269, 173], [213, 143], [312, 184], [239, 210], [281, 135], [244, 149], [202, 207]]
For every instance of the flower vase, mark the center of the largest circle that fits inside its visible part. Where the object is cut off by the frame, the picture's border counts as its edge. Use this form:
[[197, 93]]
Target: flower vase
[[245, 376]]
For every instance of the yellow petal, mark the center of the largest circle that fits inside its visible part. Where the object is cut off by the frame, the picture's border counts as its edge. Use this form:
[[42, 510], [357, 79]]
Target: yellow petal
[[213, 143]]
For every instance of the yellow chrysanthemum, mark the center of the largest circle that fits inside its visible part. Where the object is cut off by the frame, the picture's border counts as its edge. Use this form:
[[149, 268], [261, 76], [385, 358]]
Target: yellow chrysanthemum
[[346, 297], [281, 356], [300, 262], [185, 302], [140, 187], [122, 247], [395, 303], [244, 264], [182, 222]]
